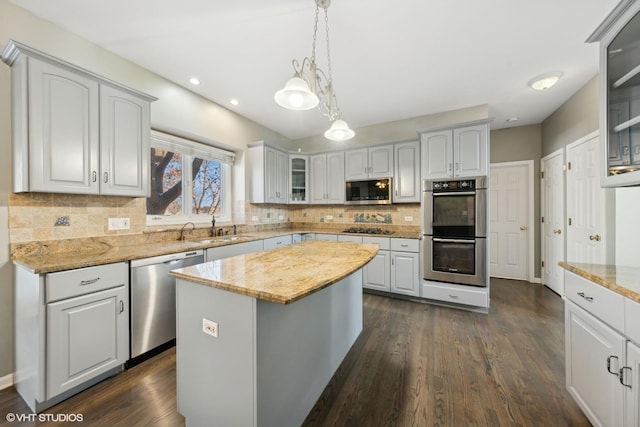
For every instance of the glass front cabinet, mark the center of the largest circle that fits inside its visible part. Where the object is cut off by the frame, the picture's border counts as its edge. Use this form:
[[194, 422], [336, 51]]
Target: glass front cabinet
[[299, 178], [619, 37]]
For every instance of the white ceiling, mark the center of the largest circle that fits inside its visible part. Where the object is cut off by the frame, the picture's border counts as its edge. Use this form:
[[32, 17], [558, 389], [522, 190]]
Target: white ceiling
[[391, 60]]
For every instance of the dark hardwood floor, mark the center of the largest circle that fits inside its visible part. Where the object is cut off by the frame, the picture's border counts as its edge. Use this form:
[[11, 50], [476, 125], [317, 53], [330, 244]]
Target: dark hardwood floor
[[413, 365]]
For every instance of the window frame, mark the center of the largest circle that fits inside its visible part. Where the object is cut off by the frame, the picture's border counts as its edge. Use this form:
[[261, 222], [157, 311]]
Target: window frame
[[189, 149]]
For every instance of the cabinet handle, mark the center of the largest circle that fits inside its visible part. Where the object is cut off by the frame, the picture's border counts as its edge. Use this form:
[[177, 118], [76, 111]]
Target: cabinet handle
[[596, 237], [106, 177], [581, 294], [557, 231], [454, 296], [404, 246], [89, 282], [621, 376], [121, 306], [457, 166], [609, 364], [94, 176], [450, 166]]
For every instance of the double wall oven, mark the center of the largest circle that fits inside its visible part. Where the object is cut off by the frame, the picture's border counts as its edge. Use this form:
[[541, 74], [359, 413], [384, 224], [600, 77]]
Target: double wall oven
[[455, 231]]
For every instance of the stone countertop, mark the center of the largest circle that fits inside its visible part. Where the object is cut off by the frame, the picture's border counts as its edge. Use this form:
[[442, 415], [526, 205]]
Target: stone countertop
[[282, 275], [624, 280], [99, 253]]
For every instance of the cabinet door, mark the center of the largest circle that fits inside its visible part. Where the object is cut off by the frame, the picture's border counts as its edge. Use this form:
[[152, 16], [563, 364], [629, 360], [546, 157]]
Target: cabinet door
[[282, 177], [86, 336], [470, 151], [356, 164], [437, 154], [318, 171], [406, 181], [63, 130], [381, 161], [277, 242], [590, 345], [271, 177], [631, 376], [227, 251], [124, 143], [298, 179], [405, 276], [335, 178], [376, 274]]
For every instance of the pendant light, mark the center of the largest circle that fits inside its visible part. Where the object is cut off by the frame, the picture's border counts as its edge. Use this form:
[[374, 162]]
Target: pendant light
[[310, 87]]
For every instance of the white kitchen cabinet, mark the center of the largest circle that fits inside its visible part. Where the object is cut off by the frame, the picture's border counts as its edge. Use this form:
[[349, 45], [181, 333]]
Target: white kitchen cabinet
[[298, 179], [325, 236], [406, 177], [74, 131], [278, 241], [405, 267], [267, 171], [227, 251], [125, 153], [377, 274], [457, 152], [631, 380], [71, 330], [619, 37], [372, 162], [327, 178]]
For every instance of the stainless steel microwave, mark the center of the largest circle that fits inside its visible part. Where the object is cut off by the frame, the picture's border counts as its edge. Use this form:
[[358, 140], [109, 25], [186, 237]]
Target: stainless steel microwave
[[368, 192]]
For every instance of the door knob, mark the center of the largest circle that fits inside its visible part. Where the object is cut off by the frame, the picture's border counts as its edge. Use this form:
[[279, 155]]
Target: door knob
[[557, 231], [523, 227], [596, 237]]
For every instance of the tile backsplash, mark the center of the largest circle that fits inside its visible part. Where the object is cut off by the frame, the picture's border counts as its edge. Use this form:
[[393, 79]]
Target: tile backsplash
[[49, 216]]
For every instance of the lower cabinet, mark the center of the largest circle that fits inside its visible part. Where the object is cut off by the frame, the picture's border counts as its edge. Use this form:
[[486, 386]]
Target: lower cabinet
[[376, 274], [71, 330], [227, 251], [276, 242], [602, 352], [405, 267]]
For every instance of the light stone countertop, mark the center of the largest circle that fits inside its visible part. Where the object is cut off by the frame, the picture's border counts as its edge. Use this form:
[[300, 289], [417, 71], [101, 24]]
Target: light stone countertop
[[72, 256], [282, 275], [624, 280]]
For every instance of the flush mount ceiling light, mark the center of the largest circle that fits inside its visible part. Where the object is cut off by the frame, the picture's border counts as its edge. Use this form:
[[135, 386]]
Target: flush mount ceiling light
[[545, 81], [310, 86], [194, 81]]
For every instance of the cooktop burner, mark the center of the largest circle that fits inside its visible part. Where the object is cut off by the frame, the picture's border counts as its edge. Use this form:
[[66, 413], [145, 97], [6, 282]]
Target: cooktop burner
[[363, 230]]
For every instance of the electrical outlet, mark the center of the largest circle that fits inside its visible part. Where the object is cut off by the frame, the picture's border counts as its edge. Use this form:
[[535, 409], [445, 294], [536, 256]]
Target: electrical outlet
[[119, 223], [254, 218], [280, 217], [408, 218], [329, 217], [210, 327]]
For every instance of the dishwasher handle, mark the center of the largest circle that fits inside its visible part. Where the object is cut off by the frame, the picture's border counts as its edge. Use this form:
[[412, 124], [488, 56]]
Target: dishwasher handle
[[165, 259]]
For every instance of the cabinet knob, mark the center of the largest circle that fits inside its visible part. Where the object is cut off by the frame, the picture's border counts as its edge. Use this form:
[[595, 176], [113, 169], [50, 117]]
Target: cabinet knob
[[596, 237], [524, 227], [557, 231]]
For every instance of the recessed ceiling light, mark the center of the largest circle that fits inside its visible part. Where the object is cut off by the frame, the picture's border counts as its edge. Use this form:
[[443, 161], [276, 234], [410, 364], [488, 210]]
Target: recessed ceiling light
[[513, 119], [234, 102], [194, 81], [545, 81]]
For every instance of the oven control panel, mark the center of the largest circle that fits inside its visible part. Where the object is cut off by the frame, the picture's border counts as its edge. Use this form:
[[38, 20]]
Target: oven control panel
[[457, 185]]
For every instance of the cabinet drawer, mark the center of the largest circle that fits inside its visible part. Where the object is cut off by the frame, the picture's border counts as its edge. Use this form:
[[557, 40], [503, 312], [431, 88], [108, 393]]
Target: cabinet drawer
[[405, 245], [477, 298], [383, 242], [632, 320], [597, 300], [71, 283]]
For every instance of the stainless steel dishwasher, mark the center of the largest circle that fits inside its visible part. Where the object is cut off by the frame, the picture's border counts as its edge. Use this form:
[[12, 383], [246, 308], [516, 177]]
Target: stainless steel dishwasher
[[153, 303]]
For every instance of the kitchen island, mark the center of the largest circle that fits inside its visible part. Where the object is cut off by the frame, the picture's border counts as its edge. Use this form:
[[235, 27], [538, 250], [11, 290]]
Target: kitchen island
[[260, 335]]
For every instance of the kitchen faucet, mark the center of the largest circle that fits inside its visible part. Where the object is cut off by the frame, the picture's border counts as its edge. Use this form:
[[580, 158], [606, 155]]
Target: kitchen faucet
[[182, 230], [213, 225]]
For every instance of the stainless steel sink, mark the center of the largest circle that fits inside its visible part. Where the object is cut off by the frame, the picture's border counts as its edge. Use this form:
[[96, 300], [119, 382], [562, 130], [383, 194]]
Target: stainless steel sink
[[224, 239]]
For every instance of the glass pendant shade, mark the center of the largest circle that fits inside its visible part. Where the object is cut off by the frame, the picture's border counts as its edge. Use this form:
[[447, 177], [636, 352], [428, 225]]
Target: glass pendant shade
[[296, 95], [339, 131]]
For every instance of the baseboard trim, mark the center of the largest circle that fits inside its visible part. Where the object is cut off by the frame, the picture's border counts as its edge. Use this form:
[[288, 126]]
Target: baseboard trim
[[6, 381]]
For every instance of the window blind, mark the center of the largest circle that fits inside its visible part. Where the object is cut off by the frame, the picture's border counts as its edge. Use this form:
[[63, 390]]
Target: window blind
[[177, 144]]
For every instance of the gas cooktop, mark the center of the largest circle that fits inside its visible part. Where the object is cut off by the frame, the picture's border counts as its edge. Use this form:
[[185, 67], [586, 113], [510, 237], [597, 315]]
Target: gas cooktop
[[365, 230]]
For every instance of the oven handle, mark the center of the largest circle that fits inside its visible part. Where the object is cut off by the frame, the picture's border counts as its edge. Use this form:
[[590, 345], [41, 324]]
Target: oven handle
[[455, 193], [436, 239]]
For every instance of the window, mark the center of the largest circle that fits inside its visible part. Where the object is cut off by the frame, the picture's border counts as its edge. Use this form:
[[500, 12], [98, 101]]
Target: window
[[189, 181]]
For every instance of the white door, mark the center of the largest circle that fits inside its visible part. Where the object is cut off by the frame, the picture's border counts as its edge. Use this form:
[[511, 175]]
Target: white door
[[552, 213], [586, 202], [510, 219]]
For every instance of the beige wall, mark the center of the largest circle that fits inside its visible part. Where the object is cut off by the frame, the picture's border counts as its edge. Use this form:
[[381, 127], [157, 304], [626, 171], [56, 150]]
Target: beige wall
[[516, 144], [574, 119]]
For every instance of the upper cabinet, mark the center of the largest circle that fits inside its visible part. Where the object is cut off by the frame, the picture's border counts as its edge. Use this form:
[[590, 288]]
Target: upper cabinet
[[619, 37], [406, 178], [267, 173], [457, 152], [372, 162], [327, 178], [75, 132], [298, 178]]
